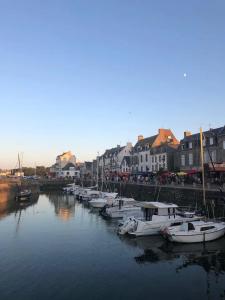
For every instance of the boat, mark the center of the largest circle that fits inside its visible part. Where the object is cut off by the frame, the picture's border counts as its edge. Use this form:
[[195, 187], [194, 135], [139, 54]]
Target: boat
[[155, 217], [123, 208], [70, 188], [22, 194], [106, 199], [195, 232], [88, 195]]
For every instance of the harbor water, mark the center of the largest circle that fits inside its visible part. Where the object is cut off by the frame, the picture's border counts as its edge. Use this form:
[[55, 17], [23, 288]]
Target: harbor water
[[58, 248]]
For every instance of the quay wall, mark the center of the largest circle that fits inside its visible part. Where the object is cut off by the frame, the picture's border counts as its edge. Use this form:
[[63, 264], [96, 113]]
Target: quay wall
[[182, 196]]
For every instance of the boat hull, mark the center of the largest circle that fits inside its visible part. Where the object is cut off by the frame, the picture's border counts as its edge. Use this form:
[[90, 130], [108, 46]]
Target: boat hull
[[198, 237]]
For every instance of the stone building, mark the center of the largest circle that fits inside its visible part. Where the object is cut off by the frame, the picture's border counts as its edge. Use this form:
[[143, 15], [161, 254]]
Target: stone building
[[163, 157], [143, 151], [112, 158], [214, 150]]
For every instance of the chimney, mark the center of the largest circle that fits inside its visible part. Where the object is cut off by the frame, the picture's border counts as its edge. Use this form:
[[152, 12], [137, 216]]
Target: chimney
[[187, 133], [161, 130], [140, 138]]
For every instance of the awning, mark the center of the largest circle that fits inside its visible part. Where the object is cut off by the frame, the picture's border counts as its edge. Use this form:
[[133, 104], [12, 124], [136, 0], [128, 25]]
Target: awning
[[181, 174], [192, 172]]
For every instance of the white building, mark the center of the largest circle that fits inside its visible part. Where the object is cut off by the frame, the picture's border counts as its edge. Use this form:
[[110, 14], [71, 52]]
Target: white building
[[65, 166], [112, 158], [142, 160]]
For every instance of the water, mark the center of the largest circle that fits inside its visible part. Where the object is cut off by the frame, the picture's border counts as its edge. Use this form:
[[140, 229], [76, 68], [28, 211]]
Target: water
[[59, 249]]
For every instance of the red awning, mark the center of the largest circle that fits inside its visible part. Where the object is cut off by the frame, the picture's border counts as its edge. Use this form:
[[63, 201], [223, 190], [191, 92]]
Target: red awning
[[192, 172]]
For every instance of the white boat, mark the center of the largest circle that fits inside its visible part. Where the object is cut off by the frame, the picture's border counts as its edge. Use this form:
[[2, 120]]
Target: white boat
[[155, 217], [90, 194], [71, 188], [195, 232], [123, 208], [106, 199]]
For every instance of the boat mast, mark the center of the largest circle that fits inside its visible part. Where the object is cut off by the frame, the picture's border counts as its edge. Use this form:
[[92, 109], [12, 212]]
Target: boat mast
[[97, 170], [19, 163], [202, 165], [102, 173]]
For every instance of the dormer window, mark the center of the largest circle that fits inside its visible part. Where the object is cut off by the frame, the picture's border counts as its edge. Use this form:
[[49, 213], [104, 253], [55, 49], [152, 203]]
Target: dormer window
[[211, 141], [182, 146], [190, 145]]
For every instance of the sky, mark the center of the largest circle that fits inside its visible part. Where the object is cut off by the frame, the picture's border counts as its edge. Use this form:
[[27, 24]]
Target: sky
[[87, 75]]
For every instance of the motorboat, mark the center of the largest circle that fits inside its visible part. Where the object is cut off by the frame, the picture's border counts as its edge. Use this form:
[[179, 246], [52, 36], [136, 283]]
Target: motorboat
[[155, 217], [106, 199], [195, 232], [123, 208], [82, 192], [90, 194]]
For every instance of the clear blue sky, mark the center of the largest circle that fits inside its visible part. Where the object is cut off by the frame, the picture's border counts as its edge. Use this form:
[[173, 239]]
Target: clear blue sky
[[88, 75]]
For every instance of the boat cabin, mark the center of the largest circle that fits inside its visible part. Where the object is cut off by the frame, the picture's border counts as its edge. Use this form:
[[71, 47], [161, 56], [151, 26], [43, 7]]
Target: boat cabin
[[157, 208]]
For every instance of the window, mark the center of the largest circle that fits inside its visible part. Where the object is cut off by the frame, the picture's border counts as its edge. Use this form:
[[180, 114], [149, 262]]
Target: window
[[146, 157], [211, 141], [203, 142], [160, 158], [223, 144], [182, 146], [206, 157], [190, 145], [190, 159], [207, 228], [153, 156], [213, 156], [141, 158], [164, 157], [141, 169], [183, 160]]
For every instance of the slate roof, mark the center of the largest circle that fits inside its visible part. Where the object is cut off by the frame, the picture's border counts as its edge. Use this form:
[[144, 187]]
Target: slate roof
[[147, 141], [211, 132], [68, 166], [164, 148], [112, 151]]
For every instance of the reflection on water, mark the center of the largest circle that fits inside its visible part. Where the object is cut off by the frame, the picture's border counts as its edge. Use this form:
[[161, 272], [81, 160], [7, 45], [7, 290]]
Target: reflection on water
[[211, 256], [83, 258], [64, 205], [8, 204]]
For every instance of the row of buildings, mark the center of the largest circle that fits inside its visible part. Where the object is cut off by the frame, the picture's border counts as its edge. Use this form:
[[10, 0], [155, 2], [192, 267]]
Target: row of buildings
[[160, 152], [164, 152]]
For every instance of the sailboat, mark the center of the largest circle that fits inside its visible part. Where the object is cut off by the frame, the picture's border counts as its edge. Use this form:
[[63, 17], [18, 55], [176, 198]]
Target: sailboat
[[23, 194], [105, 197], [196, 232]]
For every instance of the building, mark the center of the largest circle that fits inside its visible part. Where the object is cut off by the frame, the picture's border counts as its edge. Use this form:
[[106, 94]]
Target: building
[[163, 157], [65, 166], [87, 169], [141, 155], [69, 170], [111, 160], [189, 157], [65, 158], [126, 165]]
